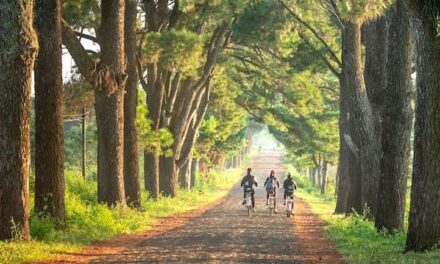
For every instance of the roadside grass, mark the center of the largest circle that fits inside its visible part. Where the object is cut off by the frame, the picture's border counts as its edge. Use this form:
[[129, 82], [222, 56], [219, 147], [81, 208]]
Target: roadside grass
[[356, 237], [88, 221]]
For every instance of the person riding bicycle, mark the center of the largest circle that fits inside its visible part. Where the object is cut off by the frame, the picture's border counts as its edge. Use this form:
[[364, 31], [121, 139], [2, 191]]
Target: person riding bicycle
[[271, 185], [248, 183], [289, 186]]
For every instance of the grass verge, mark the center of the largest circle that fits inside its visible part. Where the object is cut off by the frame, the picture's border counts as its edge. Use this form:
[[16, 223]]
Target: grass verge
[[356, 238], [87, 221]]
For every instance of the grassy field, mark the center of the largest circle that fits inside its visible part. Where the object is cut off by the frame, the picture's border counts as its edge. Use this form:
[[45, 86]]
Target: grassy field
[[87, 221], [356, 238]]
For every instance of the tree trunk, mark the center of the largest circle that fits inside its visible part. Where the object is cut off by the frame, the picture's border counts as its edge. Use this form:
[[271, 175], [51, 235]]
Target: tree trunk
[[109, 105], [397, 122], [151, 170], [168, 176], [18, 44], [424, 216], [185, 176], [344, 151], [375, 81], [324, 176], [194, 164], [131, 159], [49, 132], [319, 171], [362, 118], [314, 176]]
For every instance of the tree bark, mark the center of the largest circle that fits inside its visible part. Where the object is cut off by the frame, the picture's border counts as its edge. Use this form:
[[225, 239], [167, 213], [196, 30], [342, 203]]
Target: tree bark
[[397, 122], [318, 166], [49, 131], [194, 164], [324, 176], [344, 150], [151, 169], [362, 119], [131, 159], [169, 174], [109, 106], [375, 39], [17, 55], [185, 176], [108, 78], [424, 220], [314, 175]]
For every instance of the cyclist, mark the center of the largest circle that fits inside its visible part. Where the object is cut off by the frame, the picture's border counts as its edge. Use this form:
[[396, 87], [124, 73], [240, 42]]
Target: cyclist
[[248, 183], [271, 185], [289, 186]]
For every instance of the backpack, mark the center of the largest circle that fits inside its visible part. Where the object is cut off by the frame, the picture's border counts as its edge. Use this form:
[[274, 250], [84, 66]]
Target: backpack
[[248, 184], [270, 185], [290, 186]]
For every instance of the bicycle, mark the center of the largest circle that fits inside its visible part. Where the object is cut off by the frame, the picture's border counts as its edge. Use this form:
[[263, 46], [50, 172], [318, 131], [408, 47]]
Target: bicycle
[[248, 202], [289, 206], [271, 203]]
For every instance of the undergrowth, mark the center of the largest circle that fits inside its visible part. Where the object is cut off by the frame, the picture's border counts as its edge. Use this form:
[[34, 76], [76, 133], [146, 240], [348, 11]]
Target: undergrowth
[[355, 237], [88, 221]]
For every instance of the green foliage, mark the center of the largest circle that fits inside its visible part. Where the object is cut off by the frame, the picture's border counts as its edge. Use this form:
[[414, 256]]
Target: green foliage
[[357, 239], [362, 10], [431, 8], [88, 221], [82, 13], [175, 49], [73, 145], [148, 139], [223, 129]]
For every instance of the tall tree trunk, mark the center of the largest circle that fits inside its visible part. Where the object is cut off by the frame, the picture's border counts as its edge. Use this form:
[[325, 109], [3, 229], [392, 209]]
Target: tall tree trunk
[[344, 151], [375, 41], [424, 216], [108, 78], [18, 44], [151, 170], [169, 175], [362, 118], [319, 171], [324, 176], [131, 159], [194, 165], [185, 176], [49, 131], [109, 105], [397, 122]]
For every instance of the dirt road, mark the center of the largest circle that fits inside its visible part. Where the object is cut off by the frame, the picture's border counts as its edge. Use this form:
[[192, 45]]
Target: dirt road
[[225, 234]]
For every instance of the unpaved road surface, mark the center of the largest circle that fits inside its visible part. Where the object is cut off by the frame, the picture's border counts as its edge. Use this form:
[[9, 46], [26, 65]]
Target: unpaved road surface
[[224, 233]]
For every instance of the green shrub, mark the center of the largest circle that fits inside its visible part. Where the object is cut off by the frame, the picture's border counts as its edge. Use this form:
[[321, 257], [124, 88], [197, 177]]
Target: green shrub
[[357, 239], [89, 221]]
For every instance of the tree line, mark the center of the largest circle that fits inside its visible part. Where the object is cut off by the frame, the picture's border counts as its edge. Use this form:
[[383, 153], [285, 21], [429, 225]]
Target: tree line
[[306, 68], [168, 48], [368, 50]]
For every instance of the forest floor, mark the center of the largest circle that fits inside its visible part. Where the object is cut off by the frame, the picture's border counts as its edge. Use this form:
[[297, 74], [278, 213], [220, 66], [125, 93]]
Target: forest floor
[[221, 232]]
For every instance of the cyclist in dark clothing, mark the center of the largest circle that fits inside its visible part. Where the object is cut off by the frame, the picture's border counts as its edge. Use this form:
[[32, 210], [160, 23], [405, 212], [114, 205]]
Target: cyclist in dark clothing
[[271, 185], [248, 183], [289, 186]]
